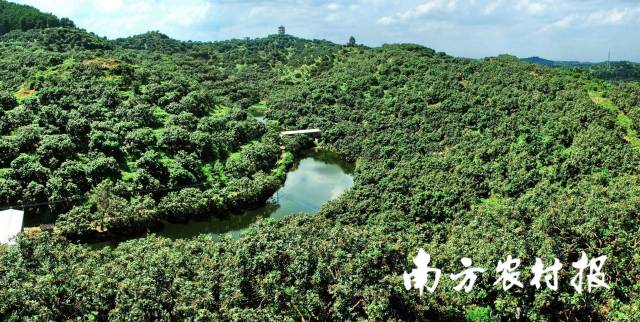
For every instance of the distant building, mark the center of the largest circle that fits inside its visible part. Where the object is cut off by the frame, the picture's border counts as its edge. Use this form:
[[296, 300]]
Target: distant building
[[281, 30]]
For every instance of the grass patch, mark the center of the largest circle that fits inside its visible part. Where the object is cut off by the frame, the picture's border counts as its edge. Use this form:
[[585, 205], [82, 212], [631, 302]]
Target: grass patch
[[621, 119], [624, 120], [107, 63], [598, 98], [24, 94], [283, 164]]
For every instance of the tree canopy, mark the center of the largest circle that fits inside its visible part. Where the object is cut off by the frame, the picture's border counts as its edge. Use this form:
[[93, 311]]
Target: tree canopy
[[464, 158], [22, 17]]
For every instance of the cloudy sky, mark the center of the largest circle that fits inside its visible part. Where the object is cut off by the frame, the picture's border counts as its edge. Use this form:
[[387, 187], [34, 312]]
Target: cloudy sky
[[563, 30]]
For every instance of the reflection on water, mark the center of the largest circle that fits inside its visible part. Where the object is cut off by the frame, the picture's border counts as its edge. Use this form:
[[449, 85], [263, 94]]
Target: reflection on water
[[258, 114], [261, 119], [319, 177], [34, 217]]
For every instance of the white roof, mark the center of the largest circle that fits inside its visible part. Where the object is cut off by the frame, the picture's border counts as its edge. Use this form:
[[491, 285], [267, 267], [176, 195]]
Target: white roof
[[300, 132], [10, 225]]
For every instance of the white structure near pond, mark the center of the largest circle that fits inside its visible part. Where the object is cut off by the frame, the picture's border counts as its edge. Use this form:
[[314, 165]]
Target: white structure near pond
[[10, 225], [303, 132]]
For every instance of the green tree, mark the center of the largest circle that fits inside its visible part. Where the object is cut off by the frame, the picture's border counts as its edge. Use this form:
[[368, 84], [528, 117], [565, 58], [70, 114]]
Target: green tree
[[352, 42]]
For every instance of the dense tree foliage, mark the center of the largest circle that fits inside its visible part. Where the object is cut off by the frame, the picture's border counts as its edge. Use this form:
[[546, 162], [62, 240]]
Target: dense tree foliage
[[101, 112], [612, 71], [21, 17], [617, 71], [464, 158]]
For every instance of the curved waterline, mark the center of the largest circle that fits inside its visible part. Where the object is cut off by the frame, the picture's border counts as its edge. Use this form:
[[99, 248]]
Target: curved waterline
[[320, 176]]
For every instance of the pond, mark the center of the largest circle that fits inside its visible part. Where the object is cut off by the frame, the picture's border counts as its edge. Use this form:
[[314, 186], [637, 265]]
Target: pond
[[258, 114], [320, 176], [261, 119]]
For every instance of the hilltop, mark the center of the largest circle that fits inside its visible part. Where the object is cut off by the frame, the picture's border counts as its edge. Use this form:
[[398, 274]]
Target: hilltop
[[22, 17], [556, 63], [615, 71]]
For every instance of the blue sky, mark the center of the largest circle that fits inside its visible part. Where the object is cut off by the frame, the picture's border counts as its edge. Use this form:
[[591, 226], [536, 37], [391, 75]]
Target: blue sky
[[556, 29]]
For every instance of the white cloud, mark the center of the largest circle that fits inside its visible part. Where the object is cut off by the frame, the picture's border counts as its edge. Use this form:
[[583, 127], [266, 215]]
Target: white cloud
[[332, 17], [421, 9], [491, 7], [107, 5], [610, 17], [563, 23], [474, 28], [116, 18], [614, 16], [59, 7], [531, 6], [186, 15], [386, 20], [333, 6]]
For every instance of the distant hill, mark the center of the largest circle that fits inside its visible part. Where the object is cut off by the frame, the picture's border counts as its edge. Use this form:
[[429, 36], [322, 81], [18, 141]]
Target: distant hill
[[539, 61], [153, 41], [553, 63], [58, 39], [22, 17], [109, 143], [616, 71]]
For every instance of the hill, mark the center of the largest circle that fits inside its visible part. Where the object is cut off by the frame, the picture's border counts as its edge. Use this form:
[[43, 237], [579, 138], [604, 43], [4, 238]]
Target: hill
[[153, 41], [552, 63], [22, 17], [539, 61], [464, 158], [614, 71], [617, 71]]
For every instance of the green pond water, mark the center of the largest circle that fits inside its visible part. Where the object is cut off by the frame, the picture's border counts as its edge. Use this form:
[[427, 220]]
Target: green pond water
[[320, 176], [261, 119]]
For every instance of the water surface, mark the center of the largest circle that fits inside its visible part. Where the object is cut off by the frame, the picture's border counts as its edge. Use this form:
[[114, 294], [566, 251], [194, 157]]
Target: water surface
[[319, 177]]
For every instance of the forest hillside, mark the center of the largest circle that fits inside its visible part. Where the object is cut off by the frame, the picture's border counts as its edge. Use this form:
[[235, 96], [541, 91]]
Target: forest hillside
[[463, 158], [21, 17]]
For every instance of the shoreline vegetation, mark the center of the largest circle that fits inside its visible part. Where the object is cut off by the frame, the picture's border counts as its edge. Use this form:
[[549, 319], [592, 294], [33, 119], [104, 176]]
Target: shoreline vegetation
[[478, 158], [190, 207]]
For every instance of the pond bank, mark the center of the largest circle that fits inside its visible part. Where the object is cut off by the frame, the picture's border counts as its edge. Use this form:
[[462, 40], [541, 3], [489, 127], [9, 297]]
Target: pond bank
[[318, 177]]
